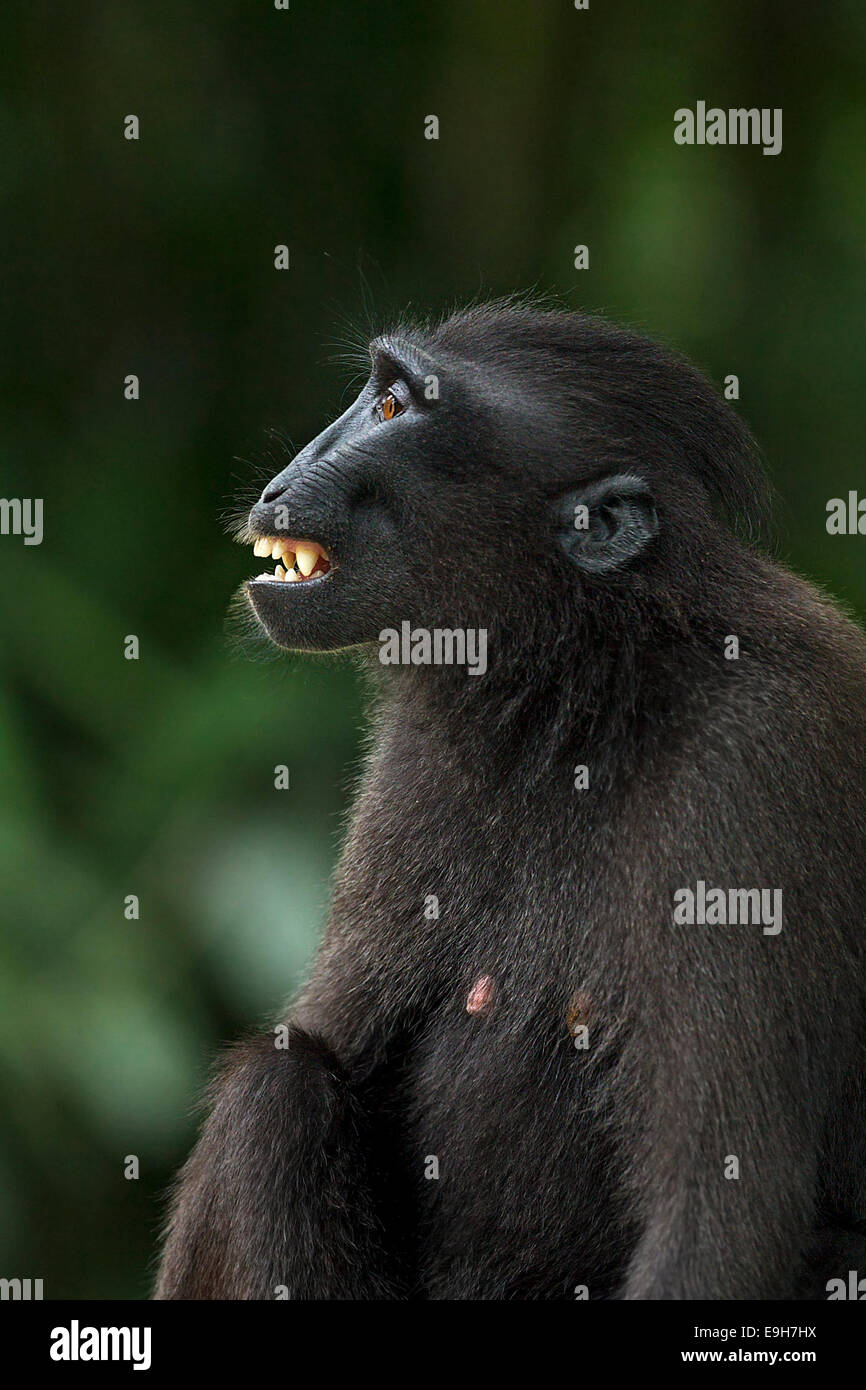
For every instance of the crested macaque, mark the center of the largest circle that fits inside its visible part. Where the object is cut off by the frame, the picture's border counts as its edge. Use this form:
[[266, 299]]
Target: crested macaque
[[588, 1015]]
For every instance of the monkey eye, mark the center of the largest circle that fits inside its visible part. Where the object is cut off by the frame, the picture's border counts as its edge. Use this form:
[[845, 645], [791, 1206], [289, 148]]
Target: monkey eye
[[388, 406]]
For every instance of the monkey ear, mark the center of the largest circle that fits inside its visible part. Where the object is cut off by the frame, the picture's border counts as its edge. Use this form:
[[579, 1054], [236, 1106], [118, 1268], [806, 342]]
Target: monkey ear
[[606, 523]]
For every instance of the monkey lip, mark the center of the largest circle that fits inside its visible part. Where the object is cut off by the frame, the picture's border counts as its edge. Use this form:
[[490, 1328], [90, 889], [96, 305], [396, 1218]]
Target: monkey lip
[[300, 561]]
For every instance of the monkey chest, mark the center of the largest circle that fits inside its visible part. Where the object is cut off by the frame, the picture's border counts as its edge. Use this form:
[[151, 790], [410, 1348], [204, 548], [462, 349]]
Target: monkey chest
[[510, 1146]]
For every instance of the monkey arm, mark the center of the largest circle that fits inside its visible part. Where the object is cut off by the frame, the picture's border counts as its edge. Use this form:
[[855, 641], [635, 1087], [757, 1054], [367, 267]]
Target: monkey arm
[[736, 1064], [713, 1233], [274, 1202], [731, 1119]]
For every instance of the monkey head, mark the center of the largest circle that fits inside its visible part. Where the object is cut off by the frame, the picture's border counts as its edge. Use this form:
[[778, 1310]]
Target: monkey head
[[506, 469]]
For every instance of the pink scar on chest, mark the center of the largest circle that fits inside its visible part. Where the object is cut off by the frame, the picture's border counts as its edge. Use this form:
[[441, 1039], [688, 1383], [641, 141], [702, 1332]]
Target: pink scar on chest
[[481, 995]]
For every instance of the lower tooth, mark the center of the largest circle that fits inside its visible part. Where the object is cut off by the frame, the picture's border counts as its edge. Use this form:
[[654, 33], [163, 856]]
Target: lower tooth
[[280, 572]]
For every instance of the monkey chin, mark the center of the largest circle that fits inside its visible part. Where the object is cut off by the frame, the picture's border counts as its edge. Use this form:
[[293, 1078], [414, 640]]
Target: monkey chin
[[318, 617], [298, 617]]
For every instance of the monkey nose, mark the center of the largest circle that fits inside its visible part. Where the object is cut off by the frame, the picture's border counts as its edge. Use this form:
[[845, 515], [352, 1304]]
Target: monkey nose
[[274, 489]]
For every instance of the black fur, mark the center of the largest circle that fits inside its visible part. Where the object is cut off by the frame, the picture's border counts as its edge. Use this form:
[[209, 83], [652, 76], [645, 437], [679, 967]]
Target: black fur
[[559, 1167]]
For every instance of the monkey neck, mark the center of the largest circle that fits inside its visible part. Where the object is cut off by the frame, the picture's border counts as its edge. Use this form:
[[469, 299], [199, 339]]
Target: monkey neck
[[590, 695], [606, 680]]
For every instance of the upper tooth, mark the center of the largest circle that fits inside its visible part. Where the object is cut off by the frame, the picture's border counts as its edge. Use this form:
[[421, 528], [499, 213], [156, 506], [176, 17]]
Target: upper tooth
[[262, 548], [306, 556], [277, 549]]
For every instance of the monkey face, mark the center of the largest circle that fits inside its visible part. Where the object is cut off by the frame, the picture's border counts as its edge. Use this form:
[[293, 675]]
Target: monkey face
[[505, 470], [370, 524]]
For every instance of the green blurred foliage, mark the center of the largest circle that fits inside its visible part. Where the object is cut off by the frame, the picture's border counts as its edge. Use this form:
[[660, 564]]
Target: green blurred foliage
[[258, 127]]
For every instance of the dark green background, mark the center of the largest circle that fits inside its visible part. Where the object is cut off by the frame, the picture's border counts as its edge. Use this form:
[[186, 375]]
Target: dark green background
[[259, 127]]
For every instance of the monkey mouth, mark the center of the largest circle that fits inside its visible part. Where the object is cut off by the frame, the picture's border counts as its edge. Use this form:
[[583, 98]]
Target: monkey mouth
[[300, 562]]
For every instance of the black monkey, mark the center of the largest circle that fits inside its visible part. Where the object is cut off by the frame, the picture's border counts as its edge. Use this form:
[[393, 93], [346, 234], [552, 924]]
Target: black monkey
[[519, 1070]]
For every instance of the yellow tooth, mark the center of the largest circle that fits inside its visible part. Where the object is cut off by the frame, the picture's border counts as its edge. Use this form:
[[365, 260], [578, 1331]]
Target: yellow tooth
[[306, 556], [262, 548], [280, 572], [276, 549], [291, 577], [289, 557]]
